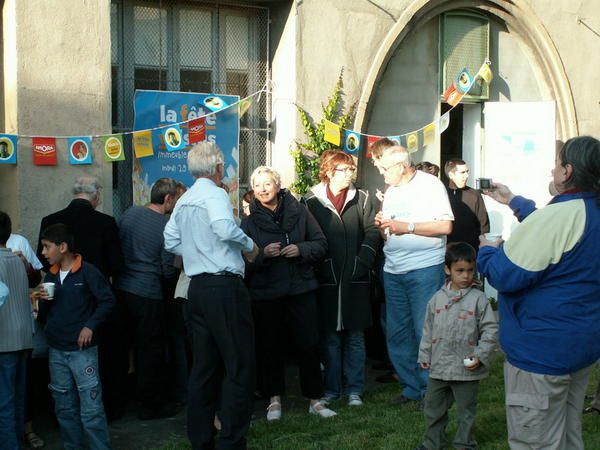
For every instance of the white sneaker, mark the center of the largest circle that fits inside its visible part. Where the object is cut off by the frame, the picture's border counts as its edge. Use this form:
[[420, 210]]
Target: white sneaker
[[354, 400], [319, 409], [274, 412]]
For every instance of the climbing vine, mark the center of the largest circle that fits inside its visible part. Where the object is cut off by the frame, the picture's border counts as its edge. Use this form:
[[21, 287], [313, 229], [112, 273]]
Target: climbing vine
[[306, 154]]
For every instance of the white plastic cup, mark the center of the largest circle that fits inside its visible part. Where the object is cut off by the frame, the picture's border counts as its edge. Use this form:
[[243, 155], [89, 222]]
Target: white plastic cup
[[49, 288], [469, 362], [492, 237]]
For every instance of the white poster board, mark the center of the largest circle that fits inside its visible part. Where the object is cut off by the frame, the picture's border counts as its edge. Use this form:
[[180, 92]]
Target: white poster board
[[519, 152]]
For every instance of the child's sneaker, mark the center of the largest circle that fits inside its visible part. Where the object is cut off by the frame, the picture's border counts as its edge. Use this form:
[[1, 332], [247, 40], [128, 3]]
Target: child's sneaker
[[354, 400]]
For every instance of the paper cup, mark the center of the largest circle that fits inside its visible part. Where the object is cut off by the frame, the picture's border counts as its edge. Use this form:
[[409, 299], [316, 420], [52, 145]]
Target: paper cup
[[469, 362], [49, 287], [492, 237]]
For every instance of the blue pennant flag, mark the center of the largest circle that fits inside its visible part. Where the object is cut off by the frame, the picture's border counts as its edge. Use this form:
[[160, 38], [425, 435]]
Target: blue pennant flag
[[351, 141], [8, 148], [80, 150], [174, 138]]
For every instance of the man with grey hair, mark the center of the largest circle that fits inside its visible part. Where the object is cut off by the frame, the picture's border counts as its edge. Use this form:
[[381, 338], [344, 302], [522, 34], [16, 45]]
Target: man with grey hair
[[95, 233], [415, 219], [202, 229]]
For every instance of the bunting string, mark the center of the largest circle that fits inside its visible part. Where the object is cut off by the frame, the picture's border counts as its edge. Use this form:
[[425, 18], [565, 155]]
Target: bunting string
[[44, 148], [350, 140]]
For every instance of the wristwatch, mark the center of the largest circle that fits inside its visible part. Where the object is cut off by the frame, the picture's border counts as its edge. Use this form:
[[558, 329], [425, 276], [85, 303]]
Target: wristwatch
[[411, 228]]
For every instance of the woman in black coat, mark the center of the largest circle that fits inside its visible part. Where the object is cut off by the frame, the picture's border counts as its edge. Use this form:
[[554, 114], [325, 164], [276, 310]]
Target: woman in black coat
[[346, 216], [282, 286]]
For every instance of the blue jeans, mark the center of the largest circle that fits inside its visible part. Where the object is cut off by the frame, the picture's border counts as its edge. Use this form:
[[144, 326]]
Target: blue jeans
[[13, 367], [75, 386], [344, 355], [407, 296]]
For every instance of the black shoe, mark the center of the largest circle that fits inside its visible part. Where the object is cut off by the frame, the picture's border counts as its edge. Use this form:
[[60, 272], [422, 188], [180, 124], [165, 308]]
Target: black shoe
[[166, 410]]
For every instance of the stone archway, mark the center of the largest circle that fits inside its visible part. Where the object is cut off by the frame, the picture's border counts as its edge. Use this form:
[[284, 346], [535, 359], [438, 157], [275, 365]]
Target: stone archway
[[519, 18]]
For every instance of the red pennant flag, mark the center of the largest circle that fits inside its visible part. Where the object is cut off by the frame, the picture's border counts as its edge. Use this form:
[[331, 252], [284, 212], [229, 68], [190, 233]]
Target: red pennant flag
[[452, 96], [44, 151], [370, 141], [196, 130]]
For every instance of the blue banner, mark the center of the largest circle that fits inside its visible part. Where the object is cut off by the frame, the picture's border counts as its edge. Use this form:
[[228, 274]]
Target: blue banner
[[160, 108]]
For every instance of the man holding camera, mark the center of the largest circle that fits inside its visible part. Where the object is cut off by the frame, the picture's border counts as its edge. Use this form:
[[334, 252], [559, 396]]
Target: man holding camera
[[470, 215]]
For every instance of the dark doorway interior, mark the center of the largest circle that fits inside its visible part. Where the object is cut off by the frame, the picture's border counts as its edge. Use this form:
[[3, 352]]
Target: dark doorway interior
[[451, 139]]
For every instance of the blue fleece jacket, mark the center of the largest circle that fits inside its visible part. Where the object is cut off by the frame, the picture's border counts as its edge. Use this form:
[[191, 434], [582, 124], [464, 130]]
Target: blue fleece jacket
[[548, 278], [84, 299]]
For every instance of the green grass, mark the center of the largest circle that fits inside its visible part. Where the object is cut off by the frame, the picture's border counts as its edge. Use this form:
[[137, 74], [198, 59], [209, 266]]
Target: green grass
[[378, 425]]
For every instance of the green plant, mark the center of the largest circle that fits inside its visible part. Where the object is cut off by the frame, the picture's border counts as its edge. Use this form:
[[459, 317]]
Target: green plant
[[306, 154]]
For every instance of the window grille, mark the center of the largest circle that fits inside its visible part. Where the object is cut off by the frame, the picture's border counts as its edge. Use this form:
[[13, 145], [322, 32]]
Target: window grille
[[192, 47], [464, 42]]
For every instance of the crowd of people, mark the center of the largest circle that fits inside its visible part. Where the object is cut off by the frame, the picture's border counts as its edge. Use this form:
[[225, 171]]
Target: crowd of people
[[182, 276]]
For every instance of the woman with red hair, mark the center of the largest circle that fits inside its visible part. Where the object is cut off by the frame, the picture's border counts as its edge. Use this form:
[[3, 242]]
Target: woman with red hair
[[346, 216]]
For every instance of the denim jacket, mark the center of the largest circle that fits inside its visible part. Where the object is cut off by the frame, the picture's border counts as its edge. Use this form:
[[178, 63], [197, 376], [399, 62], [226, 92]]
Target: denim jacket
[[457, 325]]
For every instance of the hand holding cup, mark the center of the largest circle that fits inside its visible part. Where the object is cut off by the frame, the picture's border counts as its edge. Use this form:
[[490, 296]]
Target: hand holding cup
[[47, 291]]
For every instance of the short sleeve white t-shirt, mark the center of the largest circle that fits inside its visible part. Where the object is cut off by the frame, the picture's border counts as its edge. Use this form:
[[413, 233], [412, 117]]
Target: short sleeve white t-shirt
[[422, 199]]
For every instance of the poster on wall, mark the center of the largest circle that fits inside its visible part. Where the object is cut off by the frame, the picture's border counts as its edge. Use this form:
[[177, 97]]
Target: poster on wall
[[163, 108]]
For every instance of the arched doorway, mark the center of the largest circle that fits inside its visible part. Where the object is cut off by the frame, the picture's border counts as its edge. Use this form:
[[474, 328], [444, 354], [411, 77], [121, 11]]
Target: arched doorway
[[401, 92]]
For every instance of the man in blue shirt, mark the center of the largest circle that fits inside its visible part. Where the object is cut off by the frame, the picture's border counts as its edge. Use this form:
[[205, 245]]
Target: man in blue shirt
[[202, 229]]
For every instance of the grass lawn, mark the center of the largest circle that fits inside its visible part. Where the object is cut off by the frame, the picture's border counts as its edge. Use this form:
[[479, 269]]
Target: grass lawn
[[378, 425]]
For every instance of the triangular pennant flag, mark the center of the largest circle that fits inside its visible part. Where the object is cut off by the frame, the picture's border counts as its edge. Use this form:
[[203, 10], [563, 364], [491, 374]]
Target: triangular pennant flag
[[80, 150], [44, 151], [332, 132], [113, 147], [351, 141], [429, 133], [444, 122], [412, 142], [464, 81], [485, 73], [8, 148], [197, 130], [142, 144], [245, 105]]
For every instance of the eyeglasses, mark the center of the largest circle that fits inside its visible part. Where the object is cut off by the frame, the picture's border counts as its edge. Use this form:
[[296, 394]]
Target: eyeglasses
[[346, 169], [385, 169]]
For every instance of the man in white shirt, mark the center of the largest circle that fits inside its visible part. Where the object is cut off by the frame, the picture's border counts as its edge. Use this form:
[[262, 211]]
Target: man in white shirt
[[415, 219], [202, 229]]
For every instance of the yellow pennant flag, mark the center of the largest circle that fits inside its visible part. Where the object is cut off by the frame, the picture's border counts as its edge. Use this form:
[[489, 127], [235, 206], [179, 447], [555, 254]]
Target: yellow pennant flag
[[412, 142], [485, 73], [429, 133], [245, 105], [142, 144], [332, 132]]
